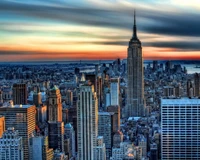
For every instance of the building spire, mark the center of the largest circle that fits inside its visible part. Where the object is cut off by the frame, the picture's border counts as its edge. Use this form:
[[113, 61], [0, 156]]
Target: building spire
[[134, 27]]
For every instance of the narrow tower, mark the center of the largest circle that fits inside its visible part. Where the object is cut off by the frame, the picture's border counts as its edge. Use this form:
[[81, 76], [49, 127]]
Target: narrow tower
[[135, 90]]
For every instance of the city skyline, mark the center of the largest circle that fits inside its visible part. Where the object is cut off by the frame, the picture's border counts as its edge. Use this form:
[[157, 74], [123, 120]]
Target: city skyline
[[91, 30]]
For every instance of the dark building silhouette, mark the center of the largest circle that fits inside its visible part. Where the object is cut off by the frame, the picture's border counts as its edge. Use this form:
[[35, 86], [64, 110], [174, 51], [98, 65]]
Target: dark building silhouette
[[19, 93]]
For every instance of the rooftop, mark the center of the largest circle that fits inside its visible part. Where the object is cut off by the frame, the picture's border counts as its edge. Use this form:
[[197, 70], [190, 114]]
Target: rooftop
[[180, 101]]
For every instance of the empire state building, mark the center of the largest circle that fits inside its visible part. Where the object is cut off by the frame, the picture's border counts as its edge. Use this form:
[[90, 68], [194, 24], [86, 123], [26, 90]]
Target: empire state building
[[135, 91]]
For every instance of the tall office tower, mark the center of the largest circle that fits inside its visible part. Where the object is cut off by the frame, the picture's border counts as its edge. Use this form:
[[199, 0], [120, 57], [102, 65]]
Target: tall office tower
[[2, 125], [142, 142], [55, 105], [37, 148], [99, 89], [135, 90], [116, 117], [92, 79], [105, 125], [19, 93], [114, 91], [197, 85], [69, 97], [155, 65], [56, 135], [168, 66], [11, 145], [180, 120], [87, 122], [69, 133], [22, 118], [190, 89]]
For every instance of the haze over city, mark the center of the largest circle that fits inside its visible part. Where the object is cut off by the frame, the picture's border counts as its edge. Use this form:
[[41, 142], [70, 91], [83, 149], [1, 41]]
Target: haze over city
[[39, 30]]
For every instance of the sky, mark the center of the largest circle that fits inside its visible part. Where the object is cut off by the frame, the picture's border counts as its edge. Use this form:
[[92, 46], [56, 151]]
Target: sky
[[56, 30]]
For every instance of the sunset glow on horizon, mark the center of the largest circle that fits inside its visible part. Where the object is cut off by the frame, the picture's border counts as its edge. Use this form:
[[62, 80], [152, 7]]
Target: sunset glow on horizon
[[97, 30]]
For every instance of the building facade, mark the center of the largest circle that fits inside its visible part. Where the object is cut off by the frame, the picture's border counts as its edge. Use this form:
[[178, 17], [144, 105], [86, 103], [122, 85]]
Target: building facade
[[55, 105], [19, 93], [135, 90], [180, 120], [22, 118], [114, 91], [11, 147], [87, 122]]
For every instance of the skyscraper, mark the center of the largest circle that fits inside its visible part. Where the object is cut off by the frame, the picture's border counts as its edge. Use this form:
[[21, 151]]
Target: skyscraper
[[114, 91], [22, 118], [87, 122], [56, 135], [180, 120], [135, 90], [19, 93], [55, 105]]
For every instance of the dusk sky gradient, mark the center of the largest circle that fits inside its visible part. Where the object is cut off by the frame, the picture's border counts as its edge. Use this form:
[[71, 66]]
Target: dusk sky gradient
[[38, 30]]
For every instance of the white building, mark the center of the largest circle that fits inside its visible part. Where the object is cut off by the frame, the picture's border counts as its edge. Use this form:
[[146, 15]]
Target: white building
[[70, 133], [180, 121], [11, 147], [100, 149], [114, 91], [87, 122]]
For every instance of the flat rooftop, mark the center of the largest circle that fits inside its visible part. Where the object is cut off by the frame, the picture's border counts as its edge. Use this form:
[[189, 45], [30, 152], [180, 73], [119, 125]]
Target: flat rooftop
[[16, 106], [180, 101]]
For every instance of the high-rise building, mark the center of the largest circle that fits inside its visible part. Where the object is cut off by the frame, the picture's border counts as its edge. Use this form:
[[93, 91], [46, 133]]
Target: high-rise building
[[2, 125], [69, 97], [116, 117], [55, 105], [180, 120], [37, 98], [69, 133], [105, 122], [87, 122], [19, 93], [135, 90], [114, 91], [11, 145], [22, 118], [56, 135], [197, 85], [40, 149]]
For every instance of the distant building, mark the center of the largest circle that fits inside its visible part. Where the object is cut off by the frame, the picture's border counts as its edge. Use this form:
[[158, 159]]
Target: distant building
[[11, 145], [2, 125], [100, 149], [56, 135], [114, 91], [105, 122], [197, 85], [20, 94], [23, 121], [69, 97], [117, 139], [55, 105], [180, 128], [142, 142], [116, 117]]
